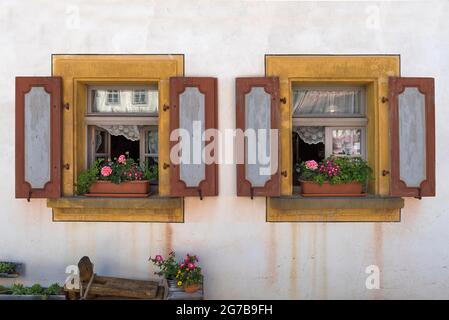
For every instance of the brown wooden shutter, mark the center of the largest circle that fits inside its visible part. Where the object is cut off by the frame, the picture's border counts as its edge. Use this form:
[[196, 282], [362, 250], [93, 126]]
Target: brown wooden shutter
[[193, 101], [412, 133], [38, 137], [257, 103]]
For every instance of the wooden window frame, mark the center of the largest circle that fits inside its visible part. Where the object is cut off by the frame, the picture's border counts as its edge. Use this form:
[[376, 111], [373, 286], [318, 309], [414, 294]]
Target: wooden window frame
[[52, 85], [425, 86], [208, 87], [79, 71], [244, 86], [372, 71]]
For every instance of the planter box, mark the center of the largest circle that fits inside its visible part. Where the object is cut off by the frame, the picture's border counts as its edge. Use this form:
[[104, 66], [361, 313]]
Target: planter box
[[313, 189], [137, 189], [18, 271]]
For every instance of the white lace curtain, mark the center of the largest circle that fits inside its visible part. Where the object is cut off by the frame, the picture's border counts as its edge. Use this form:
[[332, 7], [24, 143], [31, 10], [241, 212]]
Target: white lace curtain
[[130, 132], [316, 102], [310, 135]]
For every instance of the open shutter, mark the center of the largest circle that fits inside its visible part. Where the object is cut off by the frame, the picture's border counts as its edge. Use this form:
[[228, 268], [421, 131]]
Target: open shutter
[[412, 121], [38, 137], [257, 115], [193, 109]]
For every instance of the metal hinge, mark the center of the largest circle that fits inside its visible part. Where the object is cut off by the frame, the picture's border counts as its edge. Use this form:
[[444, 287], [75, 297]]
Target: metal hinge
[[66, 106]]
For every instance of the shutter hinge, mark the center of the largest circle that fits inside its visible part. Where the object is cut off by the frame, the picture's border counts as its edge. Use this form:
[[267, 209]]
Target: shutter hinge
[[385, 172], [66, 106], [419, 197], [384, 99], [165, 107], [165, 166], [284, 173], [66, 166], [283, 100]]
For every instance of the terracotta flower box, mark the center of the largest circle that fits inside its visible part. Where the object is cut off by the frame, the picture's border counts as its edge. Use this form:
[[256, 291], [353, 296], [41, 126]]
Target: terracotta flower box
[[136, 188], [314, 189]]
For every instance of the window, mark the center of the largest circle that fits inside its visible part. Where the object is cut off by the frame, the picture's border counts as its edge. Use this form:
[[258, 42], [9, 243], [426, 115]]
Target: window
[[374, 107], [328, 120], [82, 96], [123, 99], [112, 97], [139, 97], [114, 130]]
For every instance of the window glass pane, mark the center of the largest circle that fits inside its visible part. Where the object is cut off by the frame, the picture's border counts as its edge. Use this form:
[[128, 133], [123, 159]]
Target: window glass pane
[[347, 142], [100, 141], [135, 99], [320, 102], [151, 141]]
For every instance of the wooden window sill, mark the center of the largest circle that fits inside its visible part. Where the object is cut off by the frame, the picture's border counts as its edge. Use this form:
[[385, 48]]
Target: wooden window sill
[[87, 209], [334, 209]]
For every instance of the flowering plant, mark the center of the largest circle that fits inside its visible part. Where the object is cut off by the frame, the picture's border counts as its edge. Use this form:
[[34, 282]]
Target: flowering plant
[[189, 272], [168, 268], [335, 170], [119, 170]]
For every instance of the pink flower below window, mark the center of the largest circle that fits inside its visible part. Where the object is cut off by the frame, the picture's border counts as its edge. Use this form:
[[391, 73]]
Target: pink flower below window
[[106, 171], [121, 159], [312, 165]]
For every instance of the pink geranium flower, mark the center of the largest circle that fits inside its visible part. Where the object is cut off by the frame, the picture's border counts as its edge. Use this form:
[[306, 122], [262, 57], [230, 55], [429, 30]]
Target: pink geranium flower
[[121, 159], [311, 165], [159, 258], [191, 265], [106, 171]]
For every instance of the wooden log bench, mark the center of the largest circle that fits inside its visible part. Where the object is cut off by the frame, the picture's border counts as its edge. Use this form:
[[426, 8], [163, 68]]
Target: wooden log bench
[[93, 286]]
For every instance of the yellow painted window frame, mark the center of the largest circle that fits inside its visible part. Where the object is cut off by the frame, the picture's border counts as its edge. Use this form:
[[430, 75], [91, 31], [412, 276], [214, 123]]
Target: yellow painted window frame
[[77, 71], [369, 70]]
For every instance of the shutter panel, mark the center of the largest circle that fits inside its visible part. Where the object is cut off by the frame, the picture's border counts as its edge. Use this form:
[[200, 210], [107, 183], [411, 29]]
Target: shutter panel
[[193, 109], [257, 102], [412, 121], [38, 137]]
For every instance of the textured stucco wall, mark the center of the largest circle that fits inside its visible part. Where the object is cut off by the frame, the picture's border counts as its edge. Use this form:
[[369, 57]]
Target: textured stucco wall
[[242, 255]]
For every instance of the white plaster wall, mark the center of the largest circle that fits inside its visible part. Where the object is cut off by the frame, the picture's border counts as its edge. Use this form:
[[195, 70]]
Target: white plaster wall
[[242, 255]]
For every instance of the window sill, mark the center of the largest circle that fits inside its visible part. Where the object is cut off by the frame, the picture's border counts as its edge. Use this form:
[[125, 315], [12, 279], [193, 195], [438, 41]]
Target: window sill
[[151, 209], [334, 209]]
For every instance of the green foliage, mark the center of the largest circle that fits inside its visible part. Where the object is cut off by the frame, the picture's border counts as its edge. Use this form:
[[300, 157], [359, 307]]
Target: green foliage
[[54, 289], [337, 170], [35, 289], [151, 172], [7, 267], [86, 178], [168, 268]]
